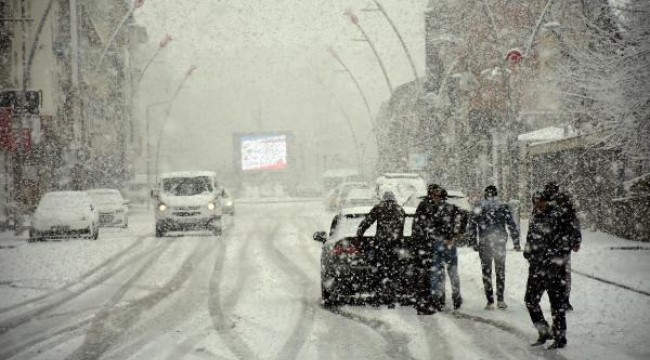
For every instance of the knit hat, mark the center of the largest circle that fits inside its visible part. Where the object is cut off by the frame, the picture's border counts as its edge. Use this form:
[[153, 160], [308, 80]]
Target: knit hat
[[388, 196], [490, 192], [437, 190]]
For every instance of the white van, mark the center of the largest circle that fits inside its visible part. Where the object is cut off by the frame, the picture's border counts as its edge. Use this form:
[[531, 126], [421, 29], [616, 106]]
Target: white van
[[187, 200]]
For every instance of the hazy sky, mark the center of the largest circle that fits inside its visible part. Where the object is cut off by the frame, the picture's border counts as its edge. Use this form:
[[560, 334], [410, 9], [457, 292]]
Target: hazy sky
[[259, 65]]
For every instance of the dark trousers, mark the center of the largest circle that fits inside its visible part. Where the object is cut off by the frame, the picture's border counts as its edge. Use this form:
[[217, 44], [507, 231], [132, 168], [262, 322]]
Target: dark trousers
[[567, 279], [423, 296], [445, 258], [549, 278], [490, 252], [384, 279]]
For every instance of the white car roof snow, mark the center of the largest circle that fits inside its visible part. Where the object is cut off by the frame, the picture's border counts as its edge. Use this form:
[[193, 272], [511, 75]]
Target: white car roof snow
[[179, 174]]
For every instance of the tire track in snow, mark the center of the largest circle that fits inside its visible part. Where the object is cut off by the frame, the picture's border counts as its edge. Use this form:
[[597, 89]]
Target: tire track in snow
[[109, 327], [43, 334], [396, 342], [111, 260], [612, 283], [298, 337], [65, 294], [539, 351], [217, 314]]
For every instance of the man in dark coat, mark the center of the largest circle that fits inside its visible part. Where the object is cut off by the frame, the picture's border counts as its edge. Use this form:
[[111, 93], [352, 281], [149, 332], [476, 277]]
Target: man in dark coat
[[568, 227], [488, 232], [389, 216], [436, 227], [547, 248]]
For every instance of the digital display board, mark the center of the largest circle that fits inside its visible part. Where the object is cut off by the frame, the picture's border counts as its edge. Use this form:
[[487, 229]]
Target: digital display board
[[263, 152]]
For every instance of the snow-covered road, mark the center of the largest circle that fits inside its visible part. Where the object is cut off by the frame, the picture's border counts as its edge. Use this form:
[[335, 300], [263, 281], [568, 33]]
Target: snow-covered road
[[253, 293]]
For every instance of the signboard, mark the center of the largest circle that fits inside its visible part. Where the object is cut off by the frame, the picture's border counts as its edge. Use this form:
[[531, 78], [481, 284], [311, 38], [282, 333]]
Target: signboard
[[263, 152]]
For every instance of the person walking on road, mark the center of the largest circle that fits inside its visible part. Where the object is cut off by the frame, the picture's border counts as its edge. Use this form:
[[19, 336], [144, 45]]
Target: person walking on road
[[546, 250], [389, 216], [436, 226], [488, 232], [568, 227]]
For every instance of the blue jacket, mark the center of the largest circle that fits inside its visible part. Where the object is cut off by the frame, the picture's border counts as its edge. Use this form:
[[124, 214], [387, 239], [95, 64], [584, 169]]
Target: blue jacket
[[490, 221]]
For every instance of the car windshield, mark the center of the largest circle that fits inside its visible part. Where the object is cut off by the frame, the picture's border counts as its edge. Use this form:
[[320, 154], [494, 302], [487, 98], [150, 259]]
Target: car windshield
[[62, 202], [187, 186], [105, 197]]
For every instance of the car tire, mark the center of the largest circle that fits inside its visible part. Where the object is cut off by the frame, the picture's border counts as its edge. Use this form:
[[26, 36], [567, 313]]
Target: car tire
[[160, 232], [328, 299]]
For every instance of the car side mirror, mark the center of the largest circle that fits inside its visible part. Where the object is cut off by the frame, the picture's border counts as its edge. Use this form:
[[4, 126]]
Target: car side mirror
[[320, 236], [153, 193]]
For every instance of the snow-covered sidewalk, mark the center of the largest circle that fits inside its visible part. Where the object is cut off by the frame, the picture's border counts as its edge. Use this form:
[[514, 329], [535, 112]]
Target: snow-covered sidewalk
[[611, 319]]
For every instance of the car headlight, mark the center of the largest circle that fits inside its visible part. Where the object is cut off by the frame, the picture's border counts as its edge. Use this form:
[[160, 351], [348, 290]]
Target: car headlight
[[211, 206], [162, 207], [229, 203]]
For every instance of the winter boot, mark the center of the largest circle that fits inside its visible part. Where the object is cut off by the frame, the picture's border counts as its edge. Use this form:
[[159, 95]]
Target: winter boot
[[502, 305], [544, 334], [559, 343], [489, 306]]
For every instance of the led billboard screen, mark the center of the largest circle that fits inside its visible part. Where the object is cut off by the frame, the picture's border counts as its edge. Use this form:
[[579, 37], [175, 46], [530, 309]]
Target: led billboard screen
[[263, 152]]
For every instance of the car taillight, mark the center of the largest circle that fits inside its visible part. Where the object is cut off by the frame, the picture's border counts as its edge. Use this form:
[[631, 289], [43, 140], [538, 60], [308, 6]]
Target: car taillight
[[341, 249]]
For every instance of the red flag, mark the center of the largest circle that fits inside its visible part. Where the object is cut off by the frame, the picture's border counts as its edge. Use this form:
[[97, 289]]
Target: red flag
[[6, 132], [137, 3]]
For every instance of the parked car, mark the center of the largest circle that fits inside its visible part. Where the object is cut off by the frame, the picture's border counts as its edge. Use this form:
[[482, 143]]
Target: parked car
[[187, 201], [227, 202], [342, 192], [112, 207], [345, 270], [62, 214], [358, 197]]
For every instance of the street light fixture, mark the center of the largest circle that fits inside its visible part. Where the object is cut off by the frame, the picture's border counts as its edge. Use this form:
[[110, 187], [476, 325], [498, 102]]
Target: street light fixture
[[355, 21]]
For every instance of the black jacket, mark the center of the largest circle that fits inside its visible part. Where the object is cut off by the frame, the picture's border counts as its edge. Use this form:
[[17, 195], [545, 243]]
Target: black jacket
[[552, 233], [390, 223], [436, 221]]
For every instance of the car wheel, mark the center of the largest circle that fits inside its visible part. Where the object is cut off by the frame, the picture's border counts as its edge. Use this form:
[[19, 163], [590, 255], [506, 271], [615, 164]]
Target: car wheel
[[328, 299], [160, 232]]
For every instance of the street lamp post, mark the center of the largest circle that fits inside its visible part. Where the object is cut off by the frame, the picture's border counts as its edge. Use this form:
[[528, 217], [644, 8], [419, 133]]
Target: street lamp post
[[189, 73], [356, 83], [355, 21], [136, 4], [163, 43], [381, 9], [149, 107]]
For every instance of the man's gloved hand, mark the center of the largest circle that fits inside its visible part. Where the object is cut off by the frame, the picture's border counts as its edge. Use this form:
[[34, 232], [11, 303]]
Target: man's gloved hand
[[449, 243], [576, 248], [517, 248], [476, 247]]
